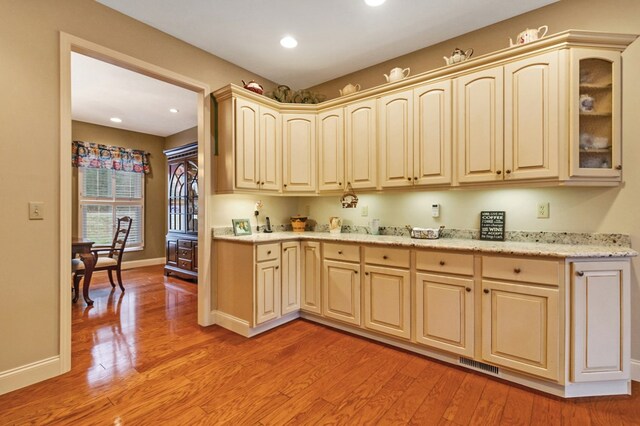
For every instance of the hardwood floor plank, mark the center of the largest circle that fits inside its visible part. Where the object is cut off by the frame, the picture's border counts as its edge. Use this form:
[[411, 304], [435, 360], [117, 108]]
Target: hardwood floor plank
[[437, 401], [381, 401], [465, 400], [518, 407], [490, 405], [312, 414]]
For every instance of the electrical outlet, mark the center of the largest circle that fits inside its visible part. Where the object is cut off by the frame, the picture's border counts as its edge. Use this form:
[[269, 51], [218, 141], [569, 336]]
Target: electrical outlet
[[364, 211], [36, 210], [543, 210]]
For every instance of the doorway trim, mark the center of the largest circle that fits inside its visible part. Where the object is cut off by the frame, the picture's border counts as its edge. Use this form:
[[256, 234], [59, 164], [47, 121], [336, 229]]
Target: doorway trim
[[70, 43]]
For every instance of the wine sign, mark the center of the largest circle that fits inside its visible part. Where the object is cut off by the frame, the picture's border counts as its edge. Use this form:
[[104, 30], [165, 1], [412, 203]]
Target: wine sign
[[492, 226]]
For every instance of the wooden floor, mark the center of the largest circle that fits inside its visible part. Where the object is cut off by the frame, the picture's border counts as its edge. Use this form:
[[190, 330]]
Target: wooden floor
[[141, 358]]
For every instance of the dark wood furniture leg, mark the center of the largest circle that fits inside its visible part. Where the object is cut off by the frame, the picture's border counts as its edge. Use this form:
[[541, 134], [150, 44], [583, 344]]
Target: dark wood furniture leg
[[89, 263]]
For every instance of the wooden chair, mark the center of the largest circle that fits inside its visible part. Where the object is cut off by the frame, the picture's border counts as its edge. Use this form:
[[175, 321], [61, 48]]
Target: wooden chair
[[112, 261]]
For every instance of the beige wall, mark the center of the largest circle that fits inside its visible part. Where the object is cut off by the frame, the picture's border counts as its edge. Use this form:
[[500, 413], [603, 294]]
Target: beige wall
[[154, 182], [184, 137], [572, 209], [29, 131]]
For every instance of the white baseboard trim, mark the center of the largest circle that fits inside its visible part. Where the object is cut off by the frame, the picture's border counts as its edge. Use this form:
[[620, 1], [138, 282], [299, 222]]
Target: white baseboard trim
[[242, 327], [29, 374], [635, 370], [143, 262]]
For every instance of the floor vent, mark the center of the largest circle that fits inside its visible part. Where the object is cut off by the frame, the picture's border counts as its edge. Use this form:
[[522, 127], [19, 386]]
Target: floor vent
[[479, 366]]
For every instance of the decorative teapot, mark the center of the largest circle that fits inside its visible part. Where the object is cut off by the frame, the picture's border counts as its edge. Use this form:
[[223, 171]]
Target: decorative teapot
[[458, 55], [529, 35], [397, 74], [349, 89], [253, 86]]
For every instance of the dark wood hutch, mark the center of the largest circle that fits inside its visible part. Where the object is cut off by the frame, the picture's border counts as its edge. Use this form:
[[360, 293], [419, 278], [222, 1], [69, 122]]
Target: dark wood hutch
[[182, 202]]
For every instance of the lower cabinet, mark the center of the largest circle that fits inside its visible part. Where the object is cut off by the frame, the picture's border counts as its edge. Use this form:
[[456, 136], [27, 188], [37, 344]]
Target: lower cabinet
[[267, 290], [290, 277], [341, 291], [182, 256], [387, 300], [601, 321], [311, 270]]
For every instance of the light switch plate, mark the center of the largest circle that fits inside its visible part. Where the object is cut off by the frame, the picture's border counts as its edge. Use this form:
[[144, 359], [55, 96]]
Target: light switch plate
[[36, 210], [364, 211]]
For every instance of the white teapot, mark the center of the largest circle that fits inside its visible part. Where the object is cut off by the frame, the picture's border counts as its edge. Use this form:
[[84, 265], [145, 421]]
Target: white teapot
[[397, 74], [529, 35], [349, 89], [458, 55]]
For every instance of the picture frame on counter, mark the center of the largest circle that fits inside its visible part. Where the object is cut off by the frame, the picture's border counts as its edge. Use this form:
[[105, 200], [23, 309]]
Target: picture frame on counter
[[492, 225], [241, 227]]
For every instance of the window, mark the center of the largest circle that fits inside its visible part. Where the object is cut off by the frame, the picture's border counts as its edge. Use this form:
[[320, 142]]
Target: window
[[106, 195]]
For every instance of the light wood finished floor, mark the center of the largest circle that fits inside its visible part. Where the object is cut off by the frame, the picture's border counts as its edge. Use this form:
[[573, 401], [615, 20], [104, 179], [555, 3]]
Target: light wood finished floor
[[141, 358]]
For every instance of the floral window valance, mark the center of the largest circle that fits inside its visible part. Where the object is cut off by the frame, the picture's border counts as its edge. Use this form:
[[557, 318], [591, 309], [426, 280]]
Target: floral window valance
[[96, 156]]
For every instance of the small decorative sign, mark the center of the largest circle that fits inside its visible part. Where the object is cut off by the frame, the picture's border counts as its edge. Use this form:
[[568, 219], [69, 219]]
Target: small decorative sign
[[492, 226]]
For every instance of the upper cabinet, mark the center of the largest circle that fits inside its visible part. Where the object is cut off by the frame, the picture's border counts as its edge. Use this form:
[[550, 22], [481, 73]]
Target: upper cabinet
[[543, 113]]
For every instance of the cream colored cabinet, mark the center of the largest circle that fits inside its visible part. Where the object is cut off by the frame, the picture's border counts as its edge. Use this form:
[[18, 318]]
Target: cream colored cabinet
[[595, 105], [331, 150], [258, 147], [520, 317], [600, 314], [432, 141], [395, 123], [444, 301], [479, 125], [267, 290], [341, 291], [311, 286], [290, 277], [387, 291], [299, 152], [360, 143]]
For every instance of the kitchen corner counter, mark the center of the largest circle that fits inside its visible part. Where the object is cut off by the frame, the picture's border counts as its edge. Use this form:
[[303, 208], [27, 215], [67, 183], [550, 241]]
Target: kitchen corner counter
[[499, 247]]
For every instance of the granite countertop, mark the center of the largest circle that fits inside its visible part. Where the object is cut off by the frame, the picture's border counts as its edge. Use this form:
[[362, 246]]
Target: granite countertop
[[501, 247]]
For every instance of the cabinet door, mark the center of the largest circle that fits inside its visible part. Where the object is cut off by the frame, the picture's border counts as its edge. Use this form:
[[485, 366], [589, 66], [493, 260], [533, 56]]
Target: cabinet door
[[270, 150], [531, 114], [395, 123], [290, 277], [387, 300], [601, 321], [331, 150], [595, 106], [267, 291], [172, 252], [195, 256], [341, 291], [520, 328], [479, 115], [247, 144], [311, 272], [444, 313], [432, 134], [299, 148], [360, 123]]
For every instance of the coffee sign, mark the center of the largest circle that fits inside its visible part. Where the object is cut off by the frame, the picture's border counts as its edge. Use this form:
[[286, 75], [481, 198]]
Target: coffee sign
[[492, 226]]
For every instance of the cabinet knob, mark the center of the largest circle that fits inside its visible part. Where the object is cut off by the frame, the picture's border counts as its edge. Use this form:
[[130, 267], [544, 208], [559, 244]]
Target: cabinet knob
[[258, 183], [339, 251], [408, 178], [619, 167], [339, 183], [261, 183], [468, 289], [517, 270], [486, 291], [442, 263], [385, 257], [366, 273], [277, 267], [499, 172], [507, 171], [269, 252], [285, 185], [415, 178], [580, 273], [355, 272]]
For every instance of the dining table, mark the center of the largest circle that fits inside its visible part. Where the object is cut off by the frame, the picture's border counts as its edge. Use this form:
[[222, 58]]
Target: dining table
[[82, 248]]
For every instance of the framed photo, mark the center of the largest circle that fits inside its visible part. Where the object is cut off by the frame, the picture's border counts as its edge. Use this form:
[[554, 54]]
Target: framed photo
[[241, 227]]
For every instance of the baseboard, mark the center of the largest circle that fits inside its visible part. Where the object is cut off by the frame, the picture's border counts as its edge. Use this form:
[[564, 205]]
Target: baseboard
[[242, 327], [29, 374], [635, 370], [143, 262]]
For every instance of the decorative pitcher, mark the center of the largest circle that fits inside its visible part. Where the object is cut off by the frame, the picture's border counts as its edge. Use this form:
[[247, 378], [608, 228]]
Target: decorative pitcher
[[529, 35], [349, 89], [397, 74], [458, 55]]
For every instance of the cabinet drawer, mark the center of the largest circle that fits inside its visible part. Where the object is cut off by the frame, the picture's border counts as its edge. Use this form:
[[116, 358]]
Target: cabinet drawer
[[184, 243], [185, 253], [184, 264], [267, 252], [350, 253], [443, 262], [397, 257], [524, 270]]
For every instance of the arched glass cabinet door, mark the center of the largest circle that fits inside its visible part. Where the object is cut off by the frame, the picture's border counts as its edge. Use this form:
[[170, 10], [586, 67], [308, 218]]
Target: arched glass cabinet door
[[177, 197], [192, 196]]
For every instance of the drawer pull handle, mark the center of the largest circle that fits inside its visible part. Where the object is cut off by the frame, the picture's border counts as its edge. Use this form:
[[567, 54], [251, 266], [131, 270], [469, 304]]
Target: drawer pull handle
[[517, 270], [580, 273], [486, 291], [385, 257], [468, 289], [442, 263]]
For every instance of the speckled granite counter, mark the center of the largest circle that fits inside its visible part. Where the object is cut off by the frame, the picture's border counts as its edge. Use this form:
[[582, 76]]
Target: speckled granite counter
[[501, 247]]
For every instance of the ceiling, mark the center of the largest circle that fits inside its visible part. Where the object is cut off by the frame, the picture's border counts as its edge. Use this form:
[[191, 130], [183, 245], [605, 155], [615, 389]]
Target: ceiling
[[100, 91], [336, 37]]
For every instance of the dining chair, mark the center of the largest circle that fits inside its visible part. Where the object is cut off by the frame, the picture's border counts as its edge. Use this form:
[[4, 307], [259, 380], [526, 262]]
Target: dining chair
[[112, 261]]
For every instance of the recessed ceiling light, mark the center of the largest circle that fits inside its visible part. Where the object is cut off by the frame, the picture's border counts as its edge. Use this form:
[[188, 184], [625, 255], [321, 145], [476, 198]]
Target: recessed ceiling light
[[173, 110], [116, 119], [374, 3], [289, 42]]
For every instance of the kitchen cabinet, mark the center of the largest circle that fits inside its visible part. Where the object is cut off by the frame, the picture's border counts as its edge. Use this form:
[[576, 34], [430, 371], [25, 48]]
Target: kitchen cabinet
[[387, 291], [258, 142], [268, 283], [331, 162], [595, 105], [311, 286], [299, 152], [520, 317], [341, 283], [361, 147], [395, 123], [600, 315], [290, 277], [444, 301]]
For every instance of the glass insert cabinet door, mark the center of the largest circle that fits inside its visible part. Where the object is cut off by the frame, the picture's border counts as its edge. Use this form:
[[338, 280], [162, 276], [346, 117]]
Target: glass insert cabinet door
[[177, 197], [595, 113], [192, 196]]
